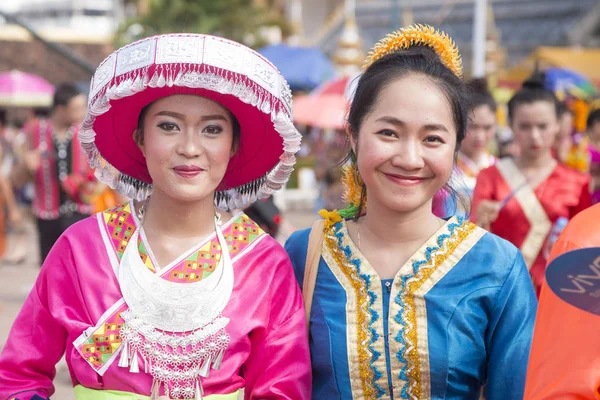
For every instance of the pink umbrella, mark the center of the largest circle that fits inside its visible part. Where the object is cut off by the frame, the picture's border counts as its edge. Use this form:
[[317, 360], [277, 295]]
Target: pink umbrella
[[326, 107], [19, 89], [326, 111]]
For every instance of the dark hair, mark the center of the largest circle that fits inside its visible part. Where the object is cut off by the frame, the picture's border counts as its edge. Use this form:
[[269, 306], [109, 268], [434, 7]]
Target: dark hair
[[138, 135], [41, 112], [479, 94], [533, 90], [421, 60], [64, 93], [593, 119], [563, 110]]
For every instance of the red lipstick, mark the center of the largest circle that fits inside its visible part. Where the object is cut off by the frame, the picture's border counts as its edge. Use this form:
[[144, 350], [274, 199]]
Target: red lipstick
[[404, 180], [187, 171]]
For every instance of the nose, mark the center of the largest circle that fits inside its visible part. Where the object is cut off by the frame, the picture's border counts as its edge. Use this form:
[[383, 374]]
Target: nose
[[480, 135], [408, 155], [189, 145], [536, 136]]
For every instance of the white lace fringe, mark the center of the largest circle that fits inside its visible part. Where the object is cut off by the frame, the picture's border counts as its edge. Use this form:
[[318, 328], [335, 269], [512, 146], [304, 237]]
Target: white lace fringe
[[201, 77]]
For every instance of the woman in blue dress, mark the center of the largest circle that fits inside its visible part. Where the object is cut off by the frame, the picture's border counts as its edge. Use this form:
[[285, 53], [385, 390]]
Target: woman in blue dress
[[402, 304]]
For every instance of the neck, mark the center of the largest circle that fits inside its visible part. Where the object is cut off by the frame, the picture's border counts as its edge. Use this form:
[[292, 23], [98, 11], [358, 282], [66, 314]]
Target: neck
[[475, 156], [537, 161], [58, 126], [183, 220], [390, 227]]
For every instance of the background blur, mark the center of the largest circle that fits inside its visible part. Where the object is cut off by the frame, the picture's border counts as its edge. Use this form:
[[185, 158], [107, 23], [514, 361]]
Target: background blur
[[319, 46]]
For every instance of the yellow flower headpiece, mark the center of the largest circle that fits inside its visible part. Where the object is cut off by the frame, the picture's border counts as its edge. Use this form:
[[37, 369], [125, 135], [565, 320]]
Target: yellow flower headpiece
[[352, 185], [415, 35]]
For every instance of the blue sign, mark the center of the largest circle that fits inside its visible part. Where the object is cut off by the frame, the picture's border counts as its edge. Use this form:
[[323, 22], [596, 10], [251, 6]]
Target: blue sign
[[575, 278]]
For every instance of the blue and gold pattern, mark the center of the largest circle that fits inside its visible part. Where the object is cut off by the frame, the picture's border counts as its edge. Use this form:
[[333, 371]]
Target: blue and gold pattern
[[369, 343], [407, 317], [459, 308]]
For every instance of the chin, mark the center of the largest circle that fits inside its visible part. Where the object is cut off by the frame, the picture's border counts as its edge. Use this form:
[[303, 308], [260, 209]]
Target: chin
[[188, 194], [403, 203]]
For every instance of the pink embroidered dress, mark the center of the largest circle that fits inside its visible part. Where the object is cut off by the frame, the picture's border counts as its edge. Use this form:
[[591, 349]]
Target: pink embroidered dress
[[76, 307]]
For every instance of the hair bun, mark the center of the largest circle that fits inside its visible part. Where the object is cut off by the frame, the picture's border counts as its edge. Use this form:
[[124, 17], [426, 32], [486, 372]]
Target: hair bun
[[478, 85], [536, 81]]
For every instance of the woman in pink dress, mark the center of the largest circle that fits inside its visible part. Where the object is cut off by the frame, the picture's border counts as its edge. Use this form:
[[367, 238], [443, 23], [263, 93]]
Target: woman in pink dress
[[593, 131], [176, 293]]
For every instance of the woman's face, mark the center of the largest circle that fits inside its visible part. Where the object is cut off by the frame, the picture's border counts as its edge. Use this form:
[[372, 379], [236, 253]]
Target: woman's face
[[187, 142], [480, 130], [535, 127], [405, 149]]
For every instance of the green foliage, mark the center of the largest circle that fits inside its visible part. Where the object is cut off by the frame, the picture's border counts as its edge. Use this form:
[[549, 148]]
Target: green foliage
[[239, 20]]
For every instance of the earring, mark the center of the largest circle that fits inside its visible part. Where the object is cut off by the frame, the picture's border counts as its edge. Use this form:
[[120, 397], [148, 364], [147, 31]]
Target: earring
[[142, 210], [218, 218]]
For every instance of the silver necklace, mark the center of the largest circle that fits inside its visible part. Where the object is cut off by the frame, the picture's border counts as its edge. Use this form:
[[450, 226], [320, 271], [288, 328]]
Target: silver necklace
[[176, 329], [62, 152]]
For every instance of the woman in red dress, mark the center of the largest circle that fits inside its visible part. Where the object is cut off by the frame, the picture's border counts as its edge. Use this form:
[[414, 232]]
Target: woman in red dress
[[521, 199]]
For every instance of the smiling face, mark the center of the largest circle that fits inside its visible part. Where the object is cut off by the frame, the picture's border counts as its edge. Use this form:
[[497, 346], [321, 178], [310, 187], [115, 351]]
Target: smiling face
[[187, 141], [535, 127], [480, 131], [406, 144]]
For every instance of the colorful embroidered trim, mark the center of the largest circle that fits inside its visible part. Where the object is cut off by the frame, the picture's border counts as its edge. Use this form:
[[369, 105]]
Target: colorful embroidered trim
[[101, 344], [408, 355], [202, 263], [120, 225], [366, 316]]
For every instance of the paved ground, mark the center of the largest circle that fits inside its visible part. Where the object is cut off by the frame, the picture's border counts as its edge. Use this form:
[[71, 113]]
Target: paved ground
[[17, 281]]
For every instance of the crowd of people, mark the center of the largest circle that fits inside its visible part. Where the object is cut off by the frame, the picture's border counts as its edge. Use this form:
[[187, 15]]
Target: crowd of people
[[46, 170], [425, 286]]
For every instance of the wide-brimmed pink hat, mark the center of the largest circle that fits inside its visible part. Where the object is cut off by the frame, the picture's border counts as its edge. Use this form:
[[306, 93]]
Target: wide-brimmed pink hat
[[227, 72]]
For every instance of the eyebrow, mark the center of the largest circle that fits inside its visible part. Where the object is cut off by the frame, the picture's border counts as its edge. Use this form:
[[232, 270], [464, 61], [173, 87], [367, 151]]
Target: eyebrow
[[181, 116], [398, 122]]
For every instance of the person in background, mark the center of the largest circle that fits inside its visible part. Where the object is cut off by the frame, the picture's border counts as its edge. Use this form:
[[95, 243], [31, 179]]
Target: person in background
[[593, 134], [571, 148], [406, 305], [521, 199], [9, 209], [333, 189], [474, 154], [564, 138], [506, 144], [63, 180]]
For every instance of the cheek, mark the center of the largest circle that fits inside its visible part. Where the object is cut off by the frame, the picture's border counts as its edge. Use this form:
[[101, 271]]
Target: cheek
[[470, 139], [551, 134], [521, 137], [157, 152], [441, 162], [372, 153], [156, 149], [218, 153]]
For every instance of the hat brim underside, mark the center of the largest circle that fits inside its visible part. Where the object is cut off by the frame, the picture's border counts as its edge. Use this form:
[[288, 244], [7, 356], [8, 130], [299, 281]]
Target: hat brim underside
[[259, 150]]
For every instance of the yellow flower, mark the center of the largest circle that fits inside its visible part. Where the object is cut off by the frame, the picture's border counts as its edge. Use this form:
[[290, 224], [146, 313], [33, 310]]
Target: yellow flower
[[331, 218], [416, 35], [352, 185]]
